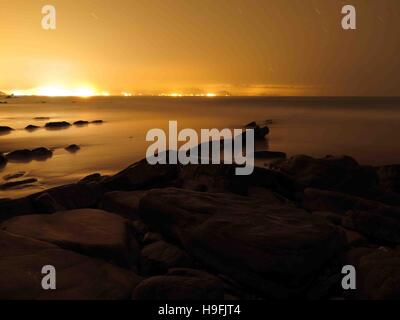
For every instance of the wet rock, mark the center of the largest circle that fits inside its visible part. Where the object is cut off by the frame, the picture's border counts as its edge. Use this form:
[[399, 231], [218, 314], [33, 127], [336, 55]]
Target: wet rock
[[17, 183], [5, 129], [73, 148], [41, 153], [124, 203], [342, 174], [180, 284], [378, 273], [90, 232], [13, 176], [274, 250], [78, 277], [31, 127], [321, 200], [141, 175], [158, 257], [259, 132], [3, 160], [20, 155], [97, 122], [389, 178], [57, 125], [269, 154], [375, 225], [81, 123], [41, 118]]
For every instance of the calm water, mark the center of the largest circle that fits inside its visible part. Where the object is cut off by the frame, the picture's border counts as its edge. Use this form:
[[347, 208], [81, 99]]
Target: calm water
[[368, 130]]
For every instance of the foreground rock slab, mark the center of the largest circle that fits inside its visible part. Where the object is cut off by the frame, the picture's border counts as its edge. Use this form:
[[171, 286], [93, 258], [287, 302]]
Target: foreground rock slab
[[87, 231], [270, 249], [78, 277]]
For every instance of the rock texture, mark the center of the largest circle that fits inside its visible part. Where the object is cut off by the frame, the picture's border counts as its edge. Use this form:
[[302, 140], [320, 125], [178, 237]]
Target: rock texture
[[268, 248]]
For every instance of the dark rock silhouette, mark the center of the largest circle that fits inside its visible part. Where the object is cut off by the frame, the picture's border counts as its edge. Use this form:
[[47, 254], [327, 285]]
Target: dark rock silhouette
[[41, 118], [81, 123], [124, 203], [18, 183], [26, 155], [73, 148], [13, 176], [259, 132], [5, 129], [98, 122], [31, 127], [269, 154], [57, 125], [3, 160]]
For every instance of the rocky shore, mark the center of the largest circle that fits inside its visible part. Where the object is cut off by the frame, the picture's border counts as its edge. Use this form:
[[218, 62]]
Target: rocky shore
[[201, 232]]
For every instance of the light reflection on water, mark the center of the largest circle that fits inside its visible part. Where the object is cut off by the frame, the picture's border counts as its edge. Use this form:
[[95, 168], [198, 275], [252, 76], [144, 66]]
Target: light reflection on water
[[368, 130]]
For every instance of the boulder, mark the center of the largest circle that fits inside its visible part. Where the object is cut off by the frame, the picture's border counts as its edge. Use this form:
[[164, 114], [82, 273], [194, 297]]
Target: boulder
[[24, 155], [3, 160], [322, 200], [41, 153], [57, 125], [123, 203], [342, 174], [158, 257], [45, 203], [180, 284], [92, 177], [88, 231], [329, 216], [151, 237], [271, 249], [378, 273], [78, 277], [374, 224], [15, 207], [141, 175]]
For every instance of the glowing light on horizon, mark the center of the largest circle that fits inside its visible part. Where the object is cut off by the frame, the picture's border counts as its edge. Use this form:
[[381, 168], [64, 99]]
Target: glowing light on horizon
[[126, 94], [57, 91]]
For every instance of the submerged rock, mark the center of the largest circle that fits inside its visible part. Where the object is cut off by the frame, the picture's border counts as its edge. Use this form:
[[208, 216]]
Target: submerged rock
[[78, 277], [97, 122], [18, 183], [73, 148], [88, 231], [41, 118], [41, 153], [31, 127], [81, 123], [5, 129], [13, 176], [57, 125], [181, 284], [26, 155], [274, 250]]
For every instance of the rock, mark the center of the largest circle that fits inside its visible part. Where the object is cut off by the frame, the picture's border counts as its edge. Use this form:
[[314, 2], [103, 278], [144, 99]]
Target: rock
[[353, 238], [259, 132], [97, 122], [15, 207], [45, 203], [378, 273], [90, 232], [3, 160], [124, 203], [138, 229], [57, 125], [180, 284], [251, 124], [341, 174], [222, 179], [151, 237], [81, 123], [31, 127], [375, 225], [389, 178], [41, 118], [158, 257], [5, 129], [17, 183], [20, 155], [270, 249], [73, 148], [13, 176], [92, 177], [41, 153], [269, 154], [141, 175], [321, 200], [78, 277]]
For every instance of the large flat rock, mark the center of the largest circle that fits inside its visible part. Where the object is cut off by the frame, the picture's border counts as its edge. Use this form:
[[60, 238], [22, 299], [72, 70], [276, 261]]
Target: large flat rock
[[123, 203], [77, 277], [271, 249], [88, 231]]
